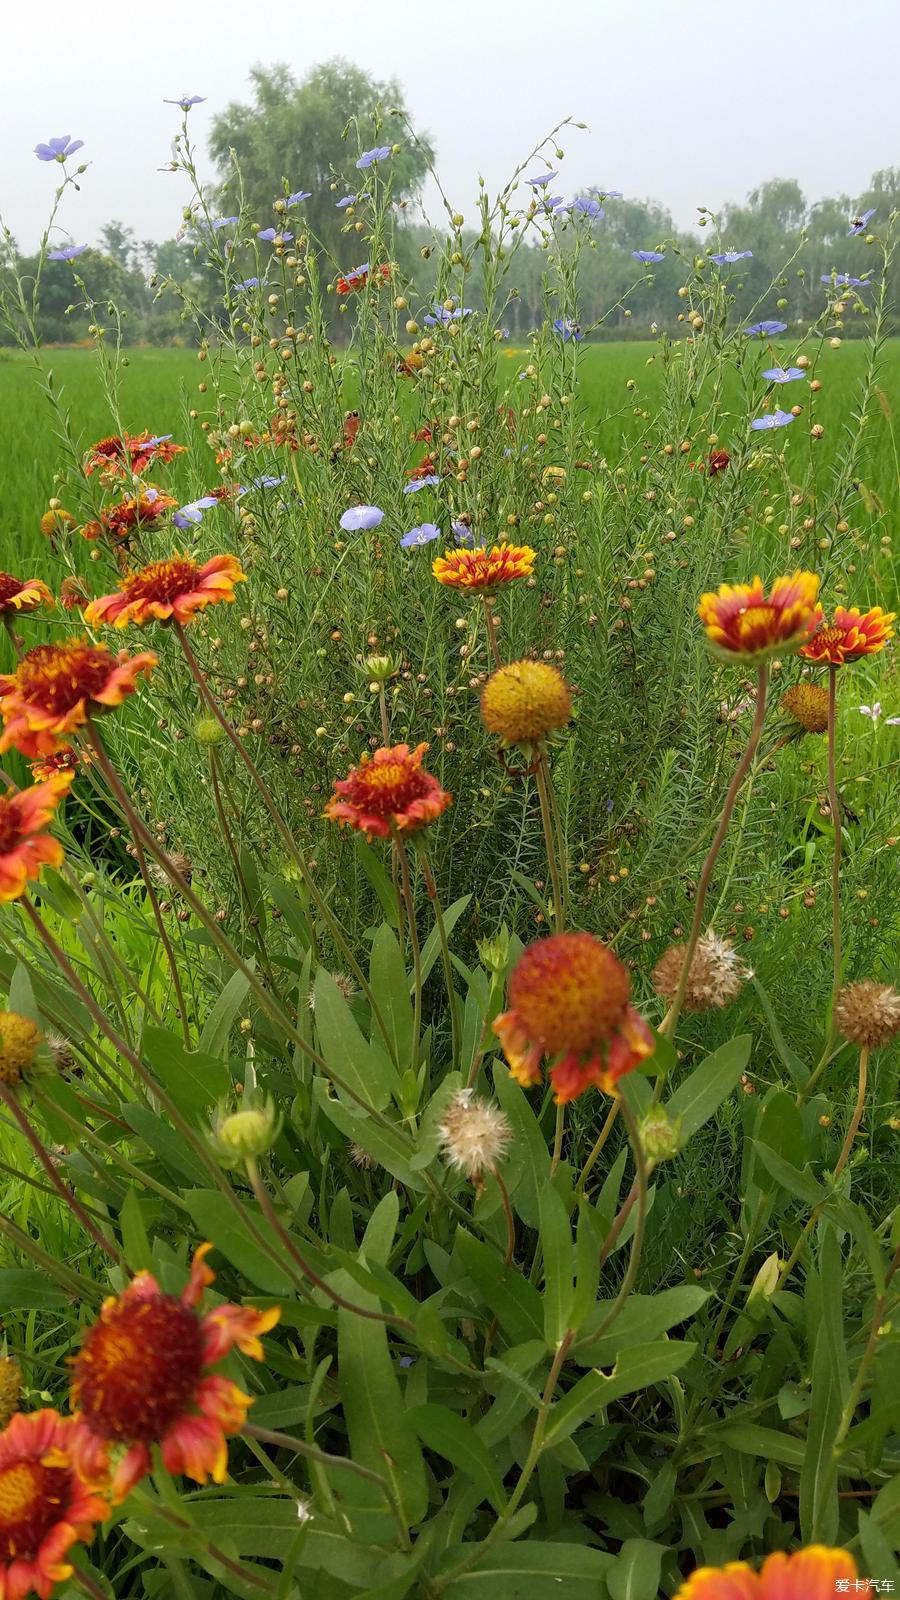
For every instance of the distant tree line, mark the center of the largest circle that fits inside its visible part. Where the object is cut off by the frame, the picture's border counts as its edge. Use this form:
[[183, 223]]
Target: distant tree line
[[291, 136]]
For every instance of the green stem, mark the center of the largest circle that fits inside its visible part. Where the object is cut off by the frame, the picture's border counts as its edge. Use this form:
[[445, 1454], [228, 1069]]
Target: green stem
[[542, 780], [842, 1160], [834, 802], [431, 889], [670, 1021], [594, 1156], [409, 905], [490, 623], [65, 1194]]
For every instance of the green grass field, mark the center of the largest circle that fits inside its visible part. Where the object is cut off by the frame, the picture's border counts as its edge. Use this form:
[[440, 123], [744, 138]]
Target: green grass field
[[158, 387]]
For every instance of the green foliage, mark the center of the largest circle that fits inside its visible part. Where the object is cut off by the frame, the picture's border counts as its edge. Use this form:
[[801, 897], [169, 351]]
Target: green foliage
[[518, 1344]]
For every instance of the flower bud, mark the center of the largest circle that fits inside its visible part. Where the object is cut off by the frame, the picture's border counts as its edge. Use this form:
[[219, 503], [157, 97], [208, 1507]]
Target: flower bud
[[660, 1134], [239, 1136], [208, 731]]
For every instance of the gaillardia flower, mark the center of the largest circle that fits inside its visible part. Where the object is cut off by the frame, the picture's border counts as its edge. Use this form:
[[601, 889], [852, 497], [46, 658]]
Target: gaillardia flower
[[484, 569], [810, 1574], [22, 596], [850, 635], [24, 849], [524, 702], [55, 686], [145, 510], [45, 1504], [807, 704], [143, 1377], [742, 620], [568, 999], [474, 1135], [715, 979], [389, 789], [56, 521], [20, 1040], [168, 590]]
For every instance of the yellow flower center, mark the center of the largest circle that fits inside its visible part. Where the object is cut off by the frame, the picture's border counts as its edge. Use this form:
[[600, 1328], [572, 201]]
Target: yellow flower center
[[19, 1040], [525, 701]]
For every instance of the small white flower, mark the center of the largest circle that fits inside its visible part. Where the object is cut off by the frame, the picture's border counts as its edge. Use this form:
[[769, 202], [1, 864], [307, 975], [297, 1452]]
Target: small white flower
[[873, 711]]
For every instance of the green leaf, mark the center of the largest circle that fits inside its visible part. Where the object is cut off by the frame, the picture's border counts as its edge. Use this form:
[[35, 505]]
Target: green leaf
[[195, 1079], [381, 1227], [556, 1243], [219, 1023], [789, 1058], [511, 1298], [765, 1443], [702, 1092], [355, 1060], [635, 1572], [389, 1147], [375, 871], [528, 1140], [451, 1436], [168, 1146], [877, 1550], [387, 975], [138, 1253], [589, 1238], [798, 1183], [381, 1437], [530, 1569], [660, 1494], [216, 1220], [431, 949], [25, 1289], [21, 994], [642, 1319], [819, 1507], [637, 1368]]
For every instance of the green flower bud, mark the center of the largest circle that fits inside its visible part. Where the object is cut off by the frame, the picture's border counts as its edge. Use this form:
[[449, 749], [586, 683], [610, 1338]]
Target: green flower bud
[[494, 953], [660, 1134], [239, 1136], [208, 731], [380, 668]]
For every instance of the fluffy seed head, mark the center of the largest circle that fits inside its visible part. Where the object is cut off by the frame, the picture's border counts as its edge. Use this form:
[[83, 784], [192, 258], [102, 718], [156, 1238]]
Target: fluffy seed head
[[868, 1013], [715, 979], [474, 1134]]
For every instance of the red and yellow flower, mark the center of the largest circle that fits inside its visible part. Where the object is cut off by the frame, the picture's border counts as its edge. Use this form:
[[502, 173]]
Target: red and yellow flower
[[388, 790], [810, 1574], [144, 1377], [743, 620], [21, 595], [63, 762], [133, 513], [484, 569], [55, 686], [168, 590], [45, 1504], [114, 456], [55, 521], [73, 594], [24, 849], [360, 277], [568, 999], [849, 636]]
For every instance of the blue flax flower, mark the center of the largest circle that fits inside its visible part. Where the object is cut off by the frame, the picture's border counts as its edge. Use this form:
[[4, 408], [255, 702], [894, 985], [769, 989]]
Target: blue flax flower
[[421, 535], [267, 481], [774, 419], [67, 252], [608, 194], [348, 200], [765, 328], [361, 518], [542, 178], [186, 101], [270, 234], [421, 483], [728, 257], [442, 314], [843, 280], [784, 374], [249, 283], [58, 149], [462, 533], [298, 196], [380, 153], [858, 224], [225, 222], [587, 208], [192, 513], [567, 330], [648, 255]]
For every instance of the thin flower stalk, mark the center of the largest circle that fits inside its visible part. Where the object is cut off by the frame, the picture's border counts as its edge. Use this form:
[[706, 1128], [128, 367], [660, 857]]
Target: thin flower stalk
[[541, 778], [65, 1194], [446, 961], [670, 1021], [410, 909]]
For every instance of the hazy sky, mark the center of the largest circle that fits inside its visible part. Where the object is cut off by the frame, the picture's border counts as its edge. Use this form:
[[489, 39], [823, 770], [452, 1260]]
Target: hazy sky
[[691, 103]]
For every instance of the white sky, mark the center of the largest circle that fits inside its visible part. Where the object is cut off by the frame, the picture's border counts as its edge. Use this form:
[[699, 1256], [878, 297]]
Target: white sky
[[691, 103]]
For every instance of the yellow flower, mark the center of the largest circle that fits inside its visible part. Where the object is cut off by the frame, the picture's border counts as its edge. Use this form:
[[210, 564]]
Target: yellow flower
[[525, 701], [807, 704], [483, 569], [19, 1041]]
